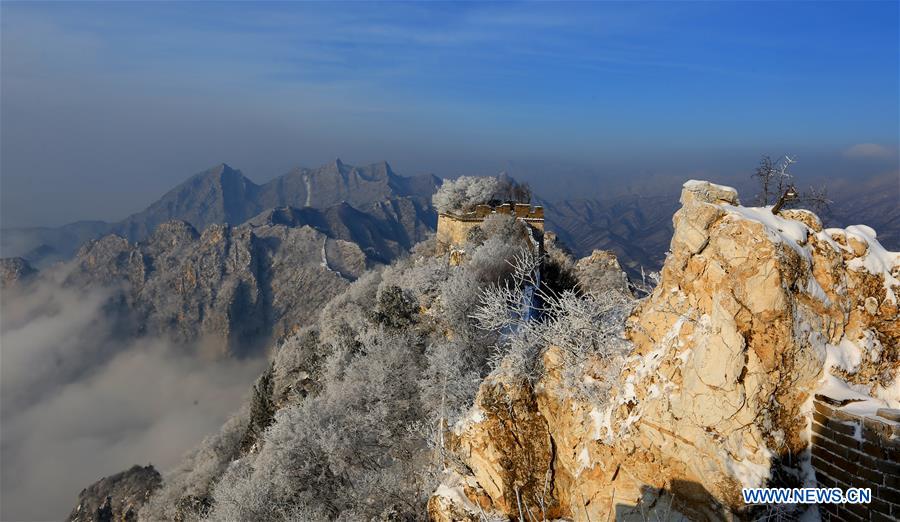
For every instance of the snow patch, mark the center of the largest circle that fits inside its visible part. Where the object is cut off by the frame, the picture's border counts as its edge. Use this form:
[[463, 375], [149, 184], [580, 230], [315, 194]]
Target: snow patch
[[877, 260], [890, 394], [693, 184], [746, 470], [475, 416], [457, 496], [780, 230], [847, 356], [815, 290], [602, 422], [584, 460]]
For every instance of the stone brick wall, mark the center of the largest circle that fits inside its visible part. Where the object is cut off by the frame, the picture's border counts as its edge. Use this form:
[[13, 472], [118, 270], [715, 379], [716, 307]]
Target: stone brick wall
[[853, 451], [452, 229]]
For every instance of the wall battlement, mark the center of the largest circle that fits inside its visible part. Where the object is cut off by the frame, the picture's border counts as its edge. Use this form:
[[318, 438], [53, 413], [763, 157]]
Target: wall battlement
[[453, 227], [854, 450]]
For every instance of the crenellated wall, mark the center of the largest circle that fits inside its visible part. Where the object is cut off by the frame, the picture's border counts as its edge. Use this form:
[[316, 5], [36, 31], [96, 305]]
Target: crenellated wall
[[851, 450], [453, 229]]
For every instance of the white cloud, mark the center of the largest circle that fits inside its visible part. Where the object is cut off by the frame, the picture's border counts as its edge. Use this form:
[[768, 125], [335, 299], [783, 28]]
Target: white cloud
[[80, 402], [868, 150]]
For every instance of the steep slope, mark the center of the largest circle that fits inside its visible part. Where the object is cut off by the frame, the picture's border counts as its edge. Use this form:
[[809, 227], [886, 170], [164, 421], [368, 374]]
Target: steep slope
[[428, 377], [753, 315], [117, 497]]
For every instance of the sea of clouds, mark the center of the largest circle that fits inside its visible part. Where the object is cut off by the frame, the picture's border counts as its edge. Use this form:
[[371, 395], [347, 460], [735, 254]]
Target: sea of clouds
[[81, 397]]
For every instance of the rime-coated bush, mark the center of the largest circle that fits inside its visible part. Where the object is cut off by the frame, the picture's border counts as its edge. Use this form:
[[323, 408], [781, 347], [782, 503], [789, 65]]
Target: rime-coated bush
[[298, 365], [427, 248], [490, 263], [395, 308], [465, 192], [588, 329], [349, 451], [450, 380], [475, 237], [421, 276], [347, 313], [186, 491], [504, 227]]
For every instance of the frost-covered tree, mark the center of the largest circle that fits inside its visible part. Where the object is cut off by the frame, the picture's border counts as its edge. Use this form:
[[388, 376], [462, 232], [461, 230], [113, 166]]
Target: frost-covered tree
[[465, 192], [449, 382], [297, 367], [350, 452], [395, 308], [774, 177], [186, 493], [588, 328]]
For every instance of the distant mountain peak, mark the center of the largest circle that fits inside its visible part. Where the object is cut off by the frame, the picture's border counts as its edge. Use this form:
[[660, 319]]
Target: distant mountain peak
[[222, 194], [216, 171], [340, 167]]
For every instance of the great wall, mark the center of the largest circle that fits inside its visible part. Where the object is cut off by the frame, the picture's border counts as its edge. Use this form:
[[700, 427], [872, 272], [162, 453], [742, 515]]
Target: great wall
[[453, 228]]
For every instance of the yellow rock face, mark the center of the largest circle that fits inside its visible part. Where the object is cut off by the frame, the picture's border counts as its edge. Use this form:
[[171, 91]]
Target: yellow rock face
[[726, 354]]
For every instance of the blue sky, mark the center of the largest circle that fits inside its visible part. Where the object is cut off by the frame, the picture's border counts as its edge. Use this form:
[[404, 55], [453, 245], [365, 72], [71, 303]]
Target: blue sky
[[107, 105]]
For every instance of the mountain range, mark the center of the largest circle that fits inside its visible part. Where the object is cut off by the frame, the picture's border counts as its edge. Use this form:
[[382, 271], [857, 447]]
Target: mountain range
[[397, 209], [385, 213], [638, 227]]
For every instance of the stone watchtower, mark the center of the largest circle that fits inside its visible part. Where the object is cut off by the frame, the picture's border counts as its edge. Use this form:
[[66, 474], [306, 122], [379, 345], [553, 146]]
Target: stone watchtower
[[453, 227]]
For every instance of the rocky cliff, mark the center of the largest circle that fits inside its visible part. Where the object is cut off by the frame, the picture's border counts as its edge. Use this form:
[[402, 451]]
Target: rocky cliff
[[117, 497], [14, 271], [233, 288], [753, 314]]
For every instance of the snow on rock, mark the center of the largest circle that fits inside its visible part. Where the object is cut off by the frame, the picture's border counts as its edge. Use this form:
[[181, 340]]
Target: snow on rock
[[752, 471], [845, 356], [700, 185], [783, 230], [876, 260], [754, 313], [474, 416]]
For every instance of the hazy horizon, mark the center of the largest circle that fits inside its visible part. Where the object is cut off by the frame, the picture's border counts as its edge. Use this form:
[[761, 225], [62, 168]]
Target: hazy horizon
[[105, 107]]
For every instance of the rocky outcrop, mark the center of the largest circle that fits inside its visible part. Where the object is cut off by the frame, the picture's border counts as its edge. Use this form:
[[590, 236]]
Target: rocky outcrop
[[118, 497], [233, 288], [600, 272], [15, 271], [753, 313]]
